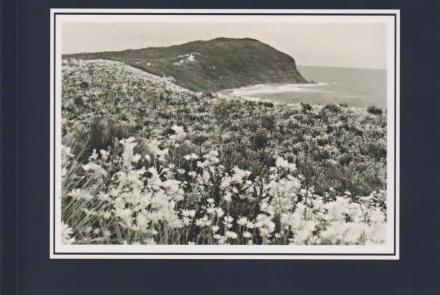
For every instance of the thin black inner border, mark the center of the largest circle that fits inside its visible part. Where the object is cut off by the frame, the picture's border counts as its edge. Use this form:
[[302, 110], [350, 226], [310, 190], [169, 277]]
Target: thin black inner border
[[222, 254]]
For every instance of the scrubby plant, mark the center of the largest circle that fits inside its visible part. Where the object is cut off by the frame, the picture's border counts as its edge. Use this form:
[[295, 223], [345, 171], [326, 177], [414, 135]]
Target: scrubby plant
[[121, 196], [146, 161], [374, 110]]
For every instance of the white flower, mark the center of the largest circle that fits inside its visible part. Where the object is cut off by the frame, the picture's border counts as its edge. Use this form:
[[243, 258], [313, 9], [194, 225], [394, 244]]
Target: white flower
[[210, 210], [202, 164], [179, 132], [212, 157], [188, 213], [265, 225], [135, 158], [204, 221], [191, 156], [377, 216], [227, 197], [206, 176], [67, 151], [282, 163], [186, 220], [93, 156], [231, 235], [304, 233], [106, 215], [247, 235], [104, 154], [66, 234], [93, 167], [239, 175], [250, 225], [81, 194], [229, 219], [242, 221]]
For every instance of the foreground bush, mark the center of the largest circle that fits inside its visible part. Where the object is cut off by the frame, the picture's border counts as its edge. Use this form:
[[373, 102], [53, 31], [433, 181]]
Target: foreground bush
[[120, 196], [146, 161]]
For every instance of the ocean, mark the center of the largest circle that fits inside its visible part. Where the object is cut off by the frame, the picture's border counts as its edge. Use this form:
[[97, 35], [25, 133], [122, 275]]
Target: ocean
[[354, 87]]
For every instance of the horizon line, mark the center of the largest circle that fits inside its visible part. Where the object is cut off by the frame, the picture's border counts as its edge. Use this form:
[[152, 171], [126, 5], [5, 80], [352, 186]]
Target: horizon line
[[342, 67]]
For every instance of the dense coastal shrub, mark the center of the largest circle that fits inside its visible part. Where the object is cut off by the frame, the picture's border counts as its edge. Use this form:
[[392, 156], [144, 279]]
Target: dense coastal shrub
[[146, 161], [374, 110], [125, 197]]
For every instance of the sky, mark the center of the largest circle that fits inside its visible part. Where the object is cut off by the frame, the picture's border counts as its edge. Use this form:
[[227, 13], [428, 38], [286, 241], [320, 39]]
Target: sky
[[355, 45]]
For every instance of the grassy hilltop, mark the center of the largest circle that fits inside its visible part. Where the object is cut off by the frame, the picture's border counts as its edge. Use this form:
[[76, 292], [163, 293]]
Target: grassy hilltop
[[212, 65]]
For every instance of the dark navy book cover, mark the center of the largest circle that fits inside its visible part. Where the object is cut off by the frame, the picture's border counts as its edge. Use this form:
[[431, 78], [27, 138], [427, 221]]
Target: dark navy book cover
[[249, 148]]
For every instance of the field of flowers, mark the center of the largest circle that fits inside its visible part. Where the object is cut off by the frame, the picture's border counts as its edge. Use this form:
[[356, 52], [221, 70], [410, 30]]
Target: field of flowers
[[147, 162]]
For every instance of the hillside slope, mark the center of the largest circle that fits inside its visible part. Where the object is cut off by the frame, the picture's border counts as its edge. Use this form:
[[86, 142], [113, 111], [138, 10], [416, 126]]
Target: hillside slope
[[147, 162], [335, 146], [212, 65]]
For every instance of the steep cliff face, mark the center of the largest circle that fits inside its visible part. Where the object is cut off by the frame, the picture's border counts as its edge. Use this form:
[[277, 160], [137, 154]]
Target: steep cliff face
[[212, 65]]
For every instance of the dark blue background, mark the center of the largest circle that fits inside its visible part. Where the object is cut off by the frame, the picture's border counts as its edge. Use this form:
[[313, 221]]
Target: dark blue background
[[416, 273]]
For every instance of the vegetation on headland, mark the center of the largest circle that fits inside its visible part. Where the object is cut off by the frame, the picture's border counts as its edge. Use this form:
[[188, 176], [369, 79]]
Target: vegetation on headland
[[147, 161], [212, 65]]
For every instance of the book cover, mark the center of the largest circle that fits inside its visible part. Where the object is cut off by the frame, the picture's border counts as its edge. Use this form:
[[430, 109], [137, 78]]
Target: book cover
[[252, 148]]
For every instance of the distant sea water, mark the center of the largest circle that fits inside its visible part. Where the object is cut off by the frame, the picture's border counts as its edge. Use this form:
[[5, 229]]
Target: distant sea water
[[354, 87]]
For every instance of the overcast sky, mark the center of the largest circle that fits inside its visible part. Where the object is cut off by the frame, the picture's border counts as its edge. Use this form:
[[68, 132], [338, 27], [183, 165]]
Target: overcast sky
[[321, 44]]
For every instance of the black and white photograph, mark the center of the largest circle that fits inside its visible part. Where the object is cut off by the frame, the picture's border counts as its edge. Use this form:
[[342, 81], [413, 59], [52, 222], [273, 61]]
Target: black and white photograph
[[233, 147], [235, 134]]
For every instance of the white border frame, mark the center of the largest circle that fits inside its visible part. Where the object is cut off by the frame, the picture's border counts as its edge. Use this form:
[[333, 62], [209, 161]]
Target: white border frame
[[390, 251]]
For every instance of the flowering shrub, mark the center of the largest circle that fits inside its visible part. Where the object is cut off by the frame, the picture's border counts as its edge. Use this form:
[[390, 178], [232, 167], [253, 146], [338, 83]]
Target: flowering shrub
[[145, 161], [129, 197]]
